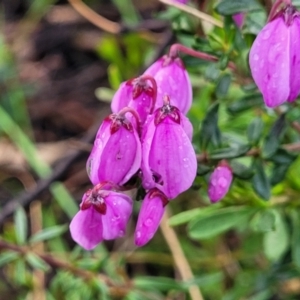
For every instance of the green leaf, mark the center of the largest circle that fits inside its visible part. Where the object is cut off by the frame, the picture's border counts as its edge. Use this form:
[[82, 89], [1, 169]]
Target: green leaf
[[272, 140], [223, 85], [264, 221], [157, 283], [218, 221], [254, 131], [202, 169], [245, 103], [231, 7], [48, 233], [295, 238], [210, 131], [232, 152], [36, 262], [20, 220], [7, 257], [276, 242], [188, 215], [283, 157], [241, 171], [260, 181], [278, 173]]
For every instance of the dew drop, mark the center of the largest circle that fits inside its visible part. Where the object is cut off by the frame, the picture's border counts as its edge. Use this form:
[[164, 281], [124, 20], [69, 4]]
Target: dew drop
[[138, 234], [266, 34], [148, 222], [121, 233], [256, 57], [222, 182]]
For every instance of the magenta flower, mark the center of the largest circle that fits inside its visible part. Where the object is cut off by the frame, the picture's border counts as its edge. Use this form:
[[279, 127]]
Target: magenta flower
[[173, 80], [239, 19], [137, 94], [103, 215], [275, 59], [169, 161], [151, 213], [219, 182], [116, 154]]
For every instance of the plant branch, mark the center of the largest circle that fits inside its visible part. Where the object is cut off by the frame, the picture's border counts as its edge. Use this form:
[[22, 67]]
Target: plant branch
[[194, 12], [178, 255]]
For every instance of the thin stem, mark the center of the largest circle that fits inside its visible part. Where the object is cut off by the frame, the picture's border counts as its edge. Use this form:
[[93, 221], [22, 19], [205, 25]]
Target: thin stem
[[154, 86], [180, 260], [175, 48], [131, 110], [93, 17], [192, 11], [275, 7]]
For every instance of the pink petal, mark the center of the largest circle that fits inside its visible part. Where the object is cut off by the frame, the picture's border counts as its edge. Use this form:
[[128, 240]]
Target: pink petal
[[121, 157], [121, 98], [150, 215], [147, 139], [119, 209], [294, 59], [86, 228], [172, 80], [171, 159], [269, 60], [94, 159]]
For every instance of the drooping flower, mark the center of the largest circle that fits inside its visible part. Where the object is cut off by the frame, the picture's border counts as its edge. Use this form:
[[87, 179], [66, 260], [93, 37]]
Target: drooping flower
[[219, 182], [137, 94], [151, 213], [275, 58], [173, 80], [103, 215], [116, 154], [168, 158]]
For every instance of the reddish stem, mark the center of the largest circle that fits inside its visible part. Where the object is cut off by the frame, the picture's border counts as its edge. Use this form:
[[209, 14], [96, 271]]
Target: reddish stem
[[275, 7], [127, 109], [154, 86], [175, 48]]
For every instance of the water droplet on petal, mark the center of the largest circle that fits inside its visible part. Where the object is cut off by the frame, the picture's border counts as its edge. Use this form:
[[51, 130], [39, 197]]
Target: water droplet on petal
[[148, 222], [256, 57], [121, 233], [138, 234]]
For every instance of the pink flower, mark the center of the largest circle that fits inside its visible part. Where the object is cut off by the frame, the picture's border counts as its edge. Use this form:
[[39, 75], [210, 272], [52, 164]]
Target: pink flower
[[138, 94], [169, 161], [275, 59], [116, 154], [219, 182], [173, 80], [151, 213], [103, 215]]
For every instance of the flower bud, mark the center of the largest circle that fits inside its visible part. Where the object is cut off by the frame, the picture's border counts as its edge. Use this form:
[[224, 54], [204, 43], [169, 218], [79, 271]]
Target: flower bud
[[169, 161], [103, 215], [151, 213], [219, 182], [137, 94], [173, 80], [116, 154], [239, 19], [275, 58]]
